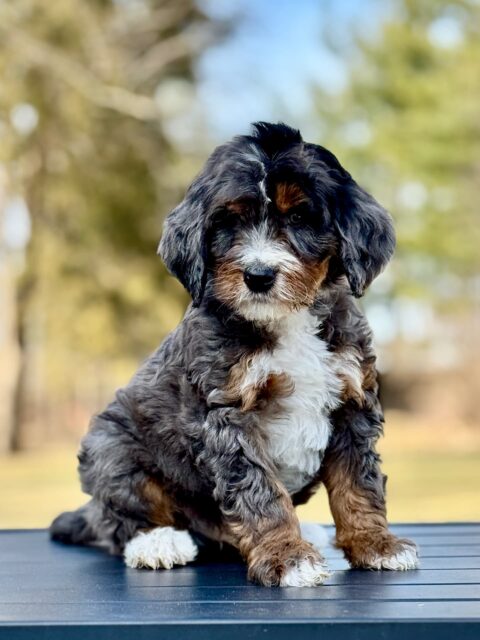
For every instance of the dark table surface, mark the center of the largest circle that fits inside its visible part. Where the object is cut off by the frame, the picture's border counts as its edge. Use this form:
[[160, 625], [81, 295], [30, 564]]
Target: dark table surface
[[49, 591]]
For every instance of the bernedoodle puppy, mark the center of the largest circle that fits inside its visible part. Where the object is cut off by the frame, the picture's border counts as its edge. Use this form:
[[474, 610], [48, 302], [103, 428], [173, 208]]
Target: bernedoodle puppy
[[266, 389]]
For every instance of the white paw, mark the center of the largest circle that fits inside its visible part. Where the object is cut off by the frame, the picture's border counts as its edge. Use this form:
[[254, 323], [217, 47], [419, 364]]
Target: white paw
[[305, 574], [160, 548], [404, 560], [315, 534]]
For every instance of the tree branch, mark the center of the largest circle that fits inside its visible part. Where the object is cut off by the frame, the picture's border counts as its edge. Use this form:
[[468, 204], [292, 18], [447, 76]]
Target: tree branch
[[108, 96]]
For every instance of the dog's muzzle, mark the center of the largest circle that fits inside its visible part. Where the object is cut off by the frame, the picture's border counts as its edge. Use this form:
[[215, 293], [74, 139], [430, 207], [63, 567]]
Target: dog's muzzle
[[259, 278]]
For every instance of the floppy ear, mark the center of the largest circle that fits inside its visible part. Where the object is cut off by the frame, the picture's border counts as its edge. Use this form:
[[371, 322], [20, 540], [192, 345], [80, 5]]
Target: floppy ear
[[183, 246], [365, 234]]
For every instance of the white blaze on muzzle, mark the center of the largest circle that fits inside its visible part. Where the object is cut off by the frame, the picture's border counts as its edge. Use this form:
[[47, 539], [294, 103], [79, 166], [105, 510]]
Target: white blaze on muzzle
[[260, 248]]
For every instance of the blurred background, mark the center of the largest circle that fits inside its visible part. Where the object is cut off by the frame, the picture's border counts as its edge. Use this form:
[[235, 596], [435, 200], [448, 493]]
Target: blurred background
[[107, 110]]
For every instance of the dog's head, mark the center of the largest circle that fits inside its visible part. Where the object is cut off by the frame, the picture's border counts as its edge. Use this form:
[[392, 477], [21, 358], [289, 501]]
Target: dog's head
[[269, 221]]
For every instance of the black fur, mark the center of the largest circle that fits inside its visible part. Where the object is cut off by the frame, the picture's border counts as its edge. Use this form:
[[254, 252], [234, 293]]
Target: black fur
[[170, 425]]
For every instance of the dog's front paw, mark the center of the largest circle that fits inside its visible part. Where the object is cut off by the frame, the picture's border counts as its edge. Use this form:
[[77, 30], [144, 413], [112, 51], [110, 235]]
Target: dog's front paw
[[289, 564], [403, 559], [305, 573], [382, 552]]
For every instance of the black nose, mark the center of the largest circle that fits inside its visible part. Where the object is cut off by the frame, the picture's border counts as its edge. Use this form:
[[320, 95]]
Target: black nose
[[259, 279]]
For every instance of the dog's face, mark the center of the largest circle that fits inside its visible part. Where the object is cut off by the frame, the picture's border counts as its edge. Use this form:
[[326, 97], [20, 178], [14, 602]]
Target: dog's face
[[271, 250], [269, 221]]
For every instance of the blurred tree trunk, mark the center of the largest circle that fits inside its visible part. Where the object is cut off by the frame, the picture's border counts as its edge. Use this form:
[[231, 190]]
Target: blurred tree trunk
[[27, 424], [9, 352], [85, 146], [22, 402]]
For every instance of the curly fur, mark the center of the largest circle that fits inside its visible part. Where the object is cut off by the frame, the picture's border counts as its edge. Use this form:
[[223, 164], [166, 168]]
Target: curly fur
[[258, 396]]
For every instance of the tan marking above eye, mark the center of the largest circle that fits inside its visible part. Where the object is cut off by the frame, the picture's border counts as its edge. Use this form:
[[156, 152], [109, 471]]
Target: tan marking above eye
[[241, 206], [288, 195]]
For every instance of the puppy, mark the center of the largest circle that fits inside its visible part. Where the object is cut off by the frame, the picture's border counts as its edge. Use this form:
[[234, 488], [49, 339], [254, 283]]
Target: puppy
[[266, 389]]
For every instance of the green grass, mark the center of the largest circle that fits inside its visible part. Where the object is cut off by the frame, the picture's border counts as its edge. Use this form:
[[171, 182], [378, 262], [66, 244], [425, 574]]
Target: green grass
[[422, 487], [36, 486], [434, 475]]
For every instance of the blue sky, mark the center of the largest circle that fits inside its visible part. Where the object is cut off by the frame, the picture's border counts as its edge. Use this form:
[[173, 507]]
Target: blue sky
[[267, 67]]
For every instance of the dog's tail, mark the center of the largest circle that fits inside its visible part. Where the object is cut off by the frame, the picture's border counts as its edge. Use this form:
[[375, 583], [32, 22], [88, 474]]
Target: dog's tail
[[75, 527]]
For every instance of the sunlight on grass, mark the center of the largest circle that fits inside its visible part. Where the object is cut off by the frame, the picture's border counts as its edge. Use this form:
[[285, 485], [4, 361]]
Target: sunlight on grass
[[434, 475], [421, 488], [36, 486]]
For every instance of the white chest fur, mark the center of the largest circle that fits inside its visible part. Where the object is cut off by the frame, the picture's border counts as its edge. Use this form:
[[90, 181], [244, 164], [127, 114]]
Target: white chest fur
[[299, 433]]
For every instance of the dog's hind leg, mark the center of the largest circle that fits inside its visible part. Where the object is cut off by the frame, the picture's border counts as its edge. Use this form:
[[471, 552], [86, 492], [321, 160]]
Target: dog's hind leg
[[85, 526], [153, 548], [160, 548]]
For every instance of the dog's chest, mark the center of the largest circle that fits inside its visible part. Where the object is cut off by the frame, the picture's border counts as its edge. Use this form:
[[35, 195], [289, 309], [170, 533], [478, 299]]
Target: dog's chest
[[299, 431]]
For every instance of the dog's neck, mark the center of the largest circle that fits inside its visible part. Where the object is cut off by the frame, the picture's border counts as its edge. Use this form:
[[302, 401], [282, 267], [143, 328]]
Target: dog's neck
[[265, 332]]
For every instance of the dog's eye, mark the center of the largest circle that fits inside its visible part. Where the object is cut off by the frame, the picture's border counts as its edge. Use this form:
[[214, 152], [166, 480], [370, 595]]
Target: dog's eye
[[297, 217]]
